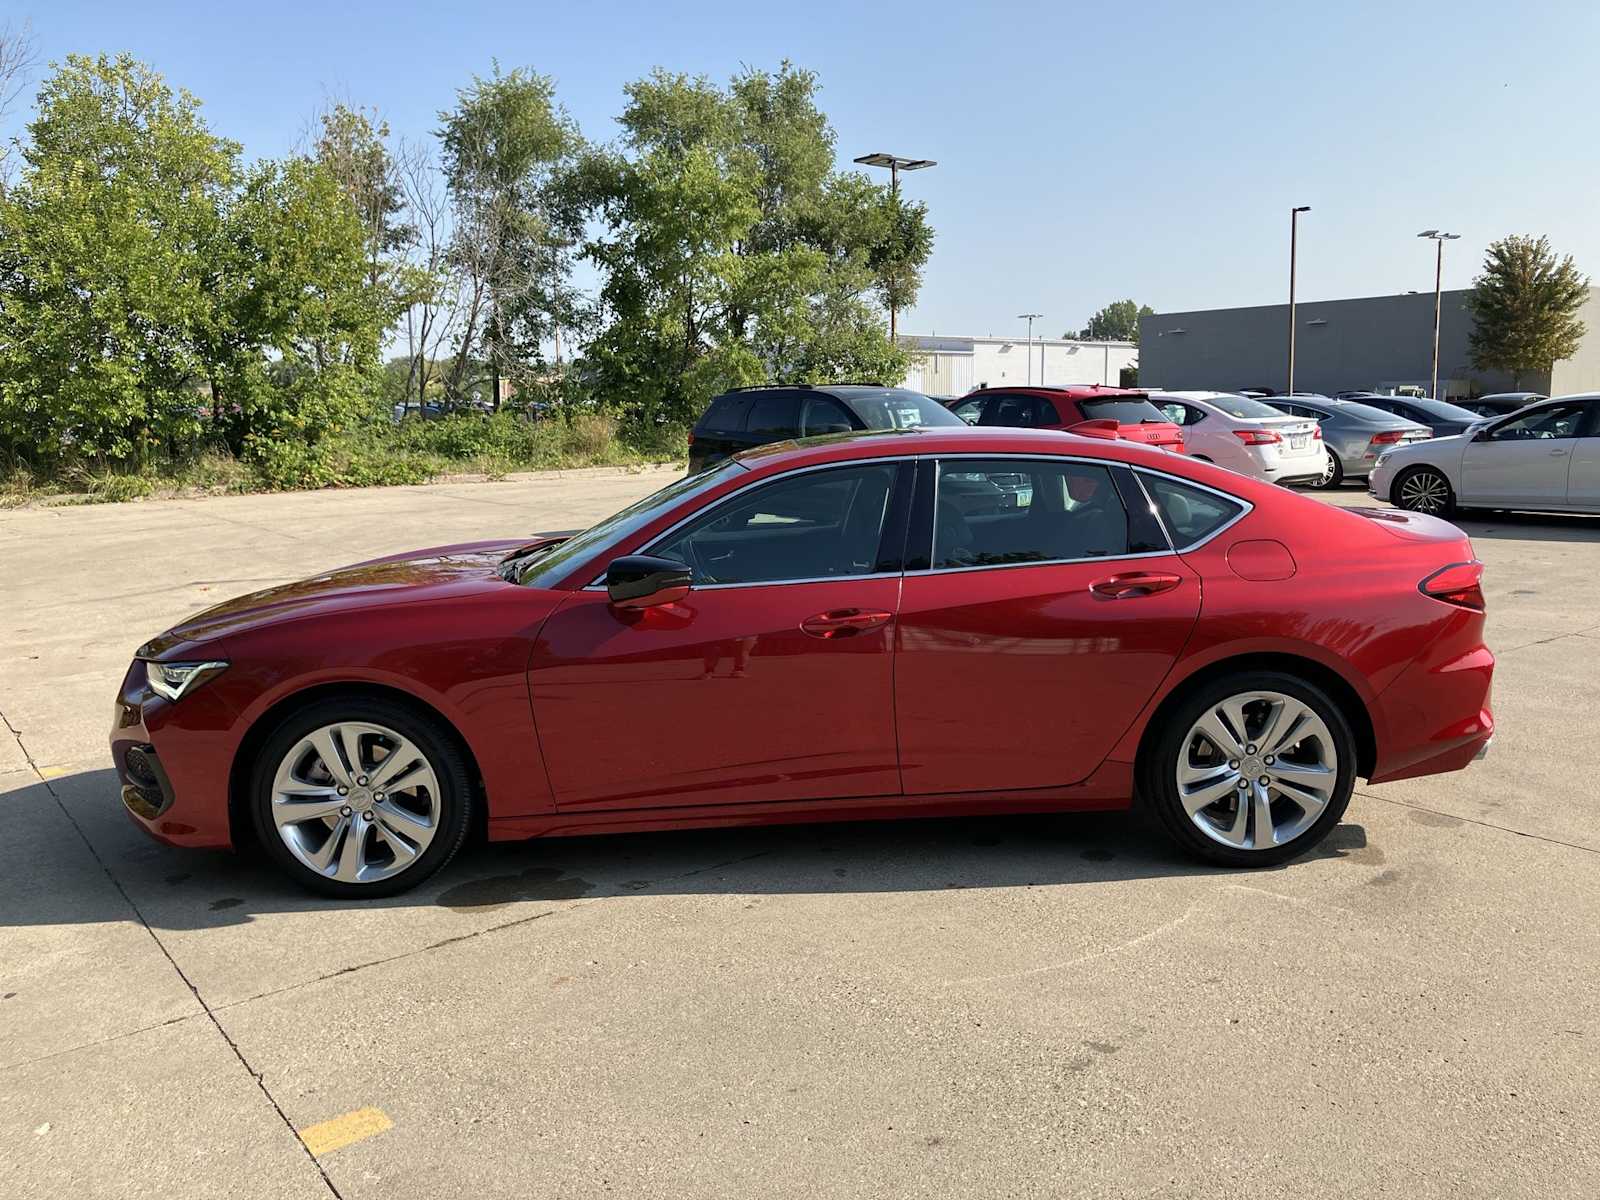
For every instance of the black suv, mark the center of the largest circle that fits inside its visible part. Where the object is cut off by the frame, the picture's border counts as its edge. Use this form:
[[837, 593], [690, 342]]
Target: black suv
[[747, 417]]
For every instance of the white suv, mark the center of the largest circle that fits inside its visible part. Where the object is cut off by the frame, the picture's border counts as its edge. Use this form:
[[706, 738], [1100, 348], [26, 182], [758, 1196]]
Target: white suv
[[1246, 435]]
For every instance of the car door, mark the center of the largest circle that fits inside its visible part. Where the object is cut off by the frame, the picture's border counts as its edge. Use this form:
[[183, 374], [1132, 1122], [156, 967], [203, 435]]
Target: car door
[[1033, 630], [1524, 460], [772, 680], [1583, 477]]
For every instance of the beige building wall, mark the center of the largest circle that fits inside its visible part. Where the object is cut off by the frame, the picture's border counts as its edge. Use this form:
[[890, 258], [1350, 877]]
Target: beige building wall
[[1581, 372]]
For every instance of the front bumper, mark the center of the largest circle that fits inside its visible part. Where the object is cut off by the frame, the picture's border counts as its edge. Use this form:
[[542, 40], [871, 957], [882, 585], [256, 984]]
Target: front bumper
[[173, 762]]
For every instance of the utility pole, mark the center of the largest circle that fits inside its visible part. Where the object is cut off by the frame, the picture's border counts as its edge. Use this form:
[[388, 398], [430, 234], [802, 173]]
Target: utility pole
[[896, 164], [1439, 240], [1030, 318], [1294, 237]]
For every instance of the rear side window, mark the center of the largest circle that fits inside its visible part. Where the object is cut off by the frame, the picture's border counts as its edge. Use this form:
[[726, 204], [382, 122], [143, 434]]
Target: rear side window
[[726, 414], [775, 416], [1190, 514], [1017, 412], [1002, 512]]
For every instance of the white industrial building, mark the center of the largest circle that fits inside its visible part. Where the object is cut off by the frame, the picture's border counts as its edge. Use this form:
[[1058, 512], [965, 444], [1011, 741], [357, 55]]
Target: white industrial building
[[954, 366]]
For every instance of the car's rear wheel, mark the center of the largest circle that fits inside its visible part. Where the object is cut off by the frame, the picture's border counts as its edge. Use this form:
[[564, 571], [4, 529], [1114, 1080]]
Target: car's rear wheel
[[1424, 490], [1250, 769], [1332, 472], [360, 796]]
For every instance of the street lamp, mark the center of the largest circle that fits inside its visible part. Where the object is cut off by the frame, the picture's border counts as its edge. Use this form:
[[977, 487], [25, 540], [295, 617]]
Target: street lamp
[[1294, 234], [1030, 318], [1440, 239], [896, 164]]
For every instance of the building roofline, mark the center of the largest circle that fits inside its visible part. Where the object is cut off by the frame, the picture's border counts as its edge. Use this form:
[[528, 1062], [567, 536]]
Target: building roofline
[[990, 338]]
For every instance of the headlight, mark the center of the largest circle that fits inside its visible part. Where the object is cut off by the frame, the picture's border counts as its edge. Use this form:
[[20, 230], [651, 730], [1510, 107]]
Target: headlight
[[171, 680]]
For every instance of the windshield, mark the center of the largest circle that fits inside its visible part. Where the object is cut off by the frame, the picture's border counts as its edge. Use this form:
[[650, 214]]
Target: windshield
[[1127, 411], [897, 409], [1244, 407], [546, 565]]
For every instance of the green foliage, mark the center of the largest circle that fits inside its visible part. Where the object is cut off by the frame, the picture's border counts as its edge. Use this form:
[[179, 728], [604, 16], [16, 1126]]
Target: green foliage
[[732, 252], [1116, 322], [1525, 307]]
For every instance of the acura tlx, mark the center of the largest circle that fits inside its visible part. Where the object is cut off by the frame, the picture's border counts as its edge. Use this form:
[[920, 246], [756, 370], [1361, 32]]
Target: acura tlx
[[951, 621]]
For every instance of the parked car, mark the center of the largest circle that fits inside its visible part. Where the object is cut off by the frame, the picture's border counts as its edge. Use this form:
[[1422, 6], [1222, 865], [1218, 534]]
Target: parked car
[[810, 632], [1441, 418], [1500, 404], [1544, 458], [1352, 434], [1245, 435], [748, 417], [1137, 420]]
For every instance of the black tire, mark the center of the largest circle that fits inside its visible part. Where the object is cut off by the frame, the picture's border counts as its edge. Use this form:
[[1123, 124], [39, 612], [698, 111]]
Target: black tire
[[1424, 483], [1333, 477], [455, 802], [1156, 770]]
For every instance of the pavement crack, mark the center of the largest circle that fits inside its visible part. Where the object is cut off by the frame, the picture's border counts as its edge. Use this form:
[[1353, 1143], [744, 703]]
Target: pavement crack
[[1537, 837], [167, 954]]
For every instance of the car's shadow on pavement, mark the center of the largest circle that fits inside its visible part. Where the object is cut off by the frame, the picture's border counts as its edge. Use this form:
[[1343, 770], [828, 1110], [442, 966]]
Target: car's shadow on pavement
[[55, 879], [1529, 527]]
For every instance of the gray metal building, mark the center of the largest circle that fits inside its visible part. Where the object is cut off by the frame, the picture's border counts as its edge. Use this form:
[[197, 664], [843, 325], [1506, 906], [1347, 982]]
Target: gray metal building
[[1376, 343]]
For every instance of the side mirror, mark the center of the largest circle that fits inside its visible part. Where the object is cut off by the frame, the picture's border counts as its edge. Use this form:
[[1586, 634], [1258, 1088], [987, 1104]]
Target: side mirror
[[644, 581]]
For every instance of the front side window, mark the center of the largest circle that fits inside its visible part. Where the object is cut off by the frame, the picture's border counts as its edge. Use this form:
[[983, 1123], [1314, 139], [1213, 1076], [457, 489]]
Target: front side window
[[1000, 512], [814, 525], [1190, 514], [968, 410], [823, 414], [1552, 421]]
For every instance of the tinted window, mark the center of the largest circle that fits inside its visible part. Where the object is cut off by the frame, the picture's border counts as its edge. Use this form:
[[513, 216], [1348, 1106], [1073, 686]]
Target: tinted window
[[1125, 412], [968, 410], [897, 408], [1017, 412], [823, 414], [726, 415], [809, 526], [1189, 513], [1552, 421], [1003, 511], [775, 416]]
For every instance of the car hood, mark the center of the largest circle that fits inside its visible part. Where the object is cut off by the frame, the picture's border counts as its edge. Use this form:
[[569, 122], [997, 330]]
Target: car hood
[[432, 574]]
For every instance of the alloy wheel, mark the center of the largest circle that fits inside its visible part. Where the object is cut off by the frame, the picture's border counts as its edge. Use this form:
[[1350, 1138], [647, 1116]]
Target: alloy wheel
[[1425, 492], [356, 802], [1256, 770]]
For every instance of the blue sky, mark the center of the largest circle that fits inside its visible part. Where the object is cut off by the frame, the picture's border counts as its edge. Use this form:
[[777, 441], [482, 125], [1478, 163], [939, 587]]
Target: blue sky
[[1085, 154]]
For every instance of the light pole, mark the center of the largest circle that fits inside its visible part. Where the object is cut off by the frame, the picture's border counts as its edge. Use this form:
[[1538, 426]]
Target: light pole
[[1294, 237], [1030, 318], [1439, 239], [896, 164]]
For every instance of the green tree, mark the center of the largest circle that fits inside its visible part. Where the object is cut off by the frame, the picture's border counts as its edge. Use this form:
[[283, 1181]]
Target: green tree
[[1525, 306], [1116, 322], [733, 252], [507, 147], [108, 259], [353, 144]]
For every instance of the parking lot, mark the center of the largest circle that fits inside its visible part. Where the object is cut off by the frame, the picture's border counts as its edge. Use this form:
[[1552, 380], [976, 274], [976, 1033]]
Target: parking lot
[[1007, 1007]]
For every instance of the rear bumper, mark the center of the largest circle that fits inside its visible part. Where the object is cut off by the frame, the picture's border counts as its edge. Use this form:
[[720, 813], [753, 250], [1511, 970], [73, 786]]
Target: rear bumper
[[1437, 716]]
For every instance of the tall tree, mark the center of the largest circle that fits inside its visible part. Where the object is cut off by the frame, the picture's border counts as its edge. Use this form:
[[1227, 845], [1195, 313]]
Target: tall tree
[[1116, 322], [19, 54], [109, 255], [353, 145], [1525, 306], [506, 146]]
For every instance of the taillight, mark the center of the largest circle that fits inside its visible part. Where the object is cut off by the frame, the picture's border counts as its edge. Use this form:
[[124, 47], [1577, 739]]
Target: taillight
[[1257, 437], [1388, 437], [1316, 433], [1459, 584]]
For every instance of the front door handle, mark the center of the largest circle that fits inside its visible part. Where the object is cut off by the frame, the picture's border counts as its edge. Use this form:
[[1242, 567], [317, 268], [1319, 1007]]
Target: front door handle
[[1134, 584], [1558, 450], [844, 622]]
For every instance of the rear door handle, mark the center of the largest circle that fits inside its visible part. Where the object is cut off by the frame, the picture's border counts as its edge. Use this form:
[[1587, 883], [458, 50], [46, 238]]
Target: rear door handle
[[1134, 584], [844, 622], [1558, 450]]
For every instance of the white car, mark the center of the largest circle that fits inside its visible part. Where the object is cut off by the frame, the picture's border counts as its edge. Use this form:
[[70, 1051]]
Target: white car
[[1545, 457], [1246, 435]]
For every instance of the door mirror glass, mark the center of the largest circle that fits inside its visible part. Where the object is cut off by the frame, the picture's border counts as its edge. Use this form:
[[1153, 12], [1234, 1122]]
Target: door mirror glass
[[645, 581]]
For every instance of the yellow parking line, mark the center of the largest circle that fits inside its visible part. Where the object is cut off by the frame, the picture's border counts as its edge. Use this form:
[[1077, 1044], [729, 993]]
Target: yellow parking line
[[338, 1132], [51, 772]]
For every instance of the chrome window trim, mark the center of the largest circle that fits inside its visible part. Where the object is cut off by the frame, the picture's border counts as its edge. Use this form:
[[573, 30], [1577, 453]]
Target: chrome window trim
[[1245, 507], [599, 583]]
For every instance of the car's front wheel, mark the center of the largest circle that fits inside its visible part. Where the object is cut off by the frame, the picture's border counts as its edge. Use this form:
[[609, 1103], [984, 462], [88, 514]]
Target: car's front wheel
[[1250, 769], [360, 796], [1424, 490]]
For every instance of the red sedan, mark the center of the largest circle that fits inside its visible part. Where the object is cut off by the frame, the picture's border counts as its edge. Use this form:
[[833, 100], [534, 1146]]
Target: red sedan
[[1107, 411], [896, 624]]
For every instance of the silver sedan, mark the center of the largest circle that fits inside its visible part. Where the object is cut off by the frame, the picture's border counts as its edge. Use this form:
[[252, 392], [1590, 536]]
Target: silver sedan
[[1353, 434]]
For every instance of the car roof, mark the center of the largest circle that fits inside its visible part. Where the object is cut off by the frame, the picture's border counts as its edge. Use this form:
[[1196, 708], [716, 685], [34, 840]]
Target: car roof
[[1075, 391]]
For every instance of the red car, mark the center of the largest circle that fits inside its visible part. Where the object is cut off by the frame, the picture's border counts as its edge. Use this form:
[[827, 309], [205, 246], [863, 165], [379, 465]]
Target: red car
[[817, 632], [1113, 412]]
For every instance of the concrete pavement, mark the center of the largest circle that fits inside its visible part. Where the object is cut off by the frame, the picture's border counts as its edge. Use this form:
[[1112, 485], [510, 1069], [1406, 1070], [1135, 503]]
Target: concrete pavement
[[1018, 1007]]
